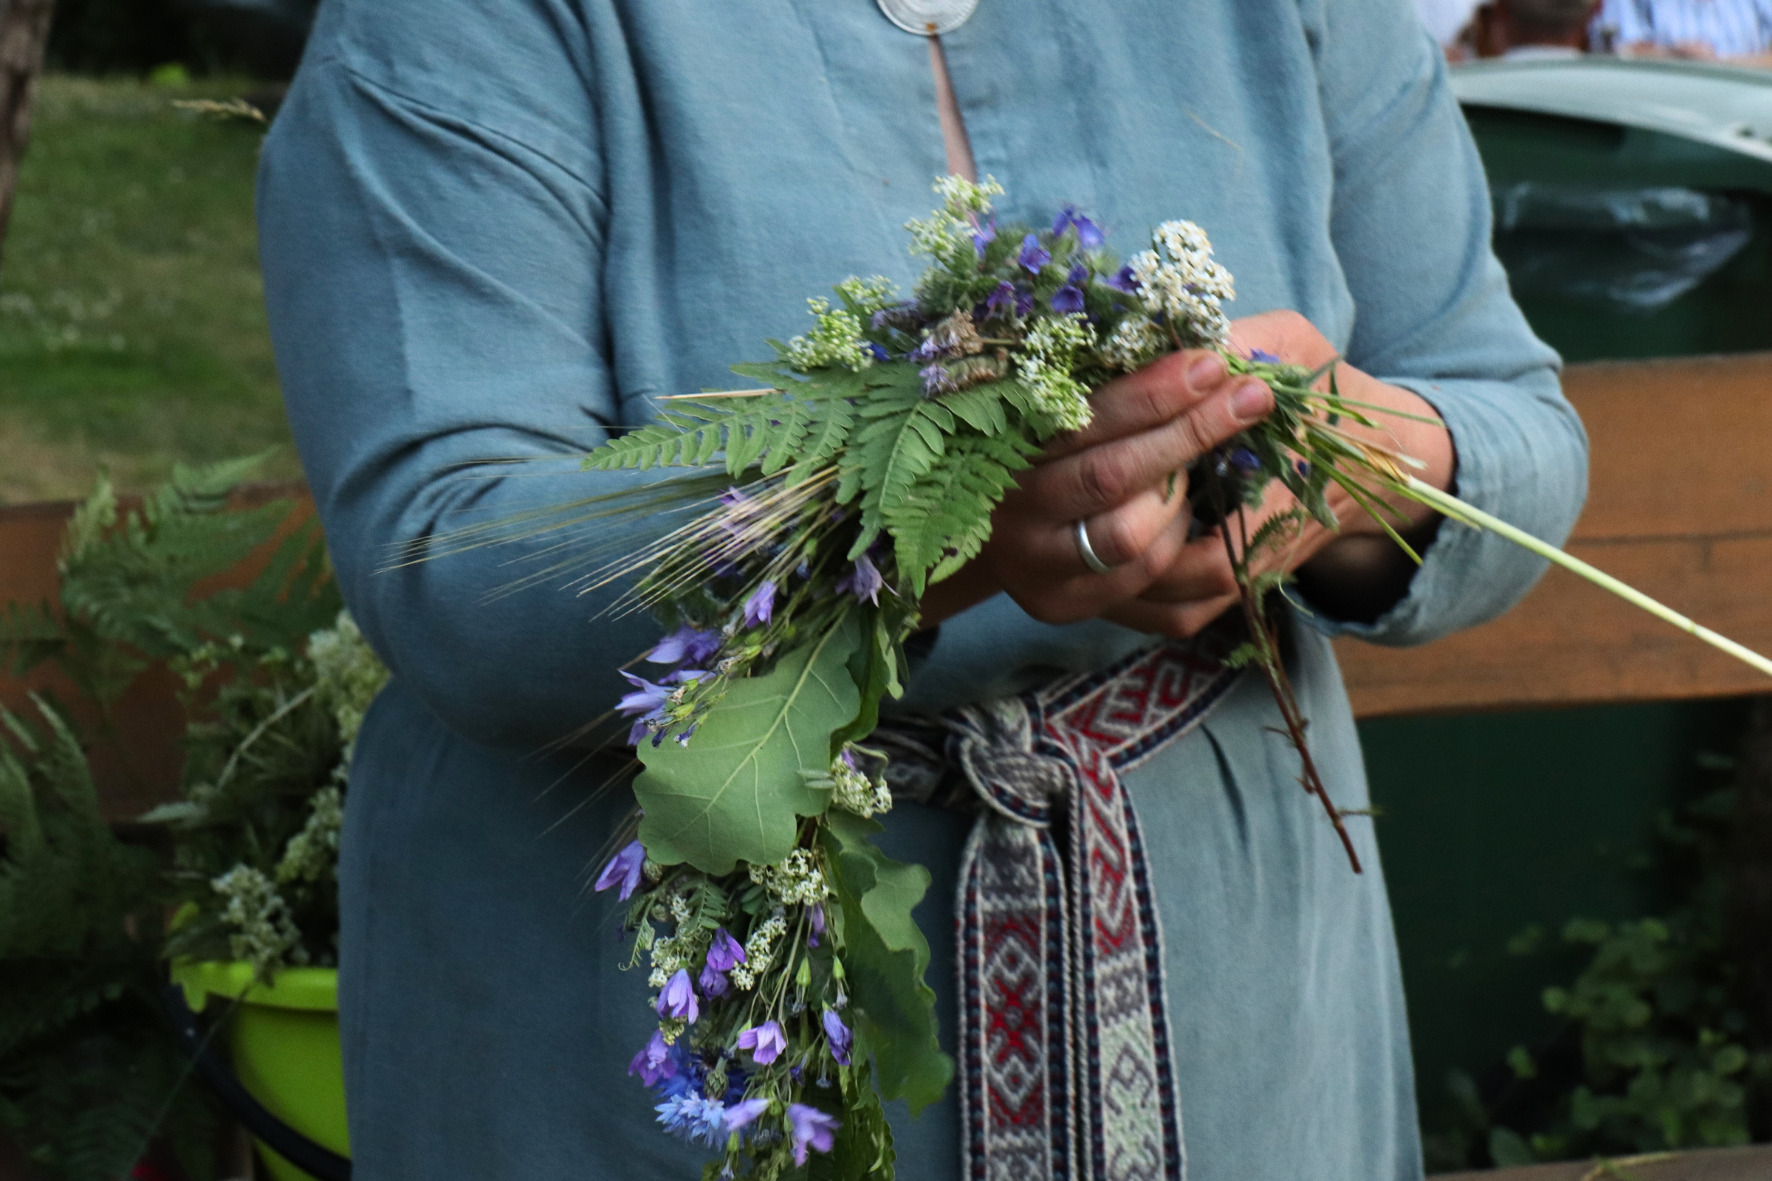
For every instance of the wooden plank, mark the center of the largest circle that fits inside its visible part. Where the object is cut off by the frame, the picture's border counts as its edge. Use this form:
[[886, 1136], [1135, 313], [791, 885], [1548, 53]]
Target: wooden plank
[[1679, 507]]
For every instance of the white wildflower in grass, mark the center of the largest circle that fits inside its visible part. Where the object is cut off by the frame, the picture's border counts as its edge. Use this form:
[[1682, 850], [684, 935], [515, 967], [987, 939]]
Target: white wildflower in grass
[[1135, 343], [312, 854], [949, 234], [797, 881], [836, 341], [759, 949], [962, 196], [1045, 364], [262, 933], [1180, 281]]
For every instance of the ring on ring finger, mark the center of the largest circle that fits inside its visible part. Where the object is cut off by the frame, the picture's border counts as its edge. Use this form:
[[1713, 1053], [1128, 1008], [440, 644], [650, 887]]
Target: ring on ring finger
[[1087, 552]]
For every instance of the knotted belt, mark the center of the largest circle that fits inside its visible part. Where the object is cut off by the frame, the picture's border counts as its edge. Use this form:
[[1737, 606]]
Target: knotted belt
[[1065, 1069]]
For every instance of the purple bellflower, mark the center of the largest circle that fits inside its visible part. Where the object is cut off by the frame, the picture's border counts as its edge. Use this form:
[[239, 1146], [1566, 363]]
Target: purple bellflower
[[677, 999], [1033, 256], [811, 1127], [815, 916], [712, 982], [741, 1114], [1001, 300], [1123, 280], [625, 868], [1067, 299], [984, 235], [1263, 356], [765, 1042], [725, 953], [761, 605], [863, 581], [1089, 235], [686, 645], [842, 1041], [654, 1061], [648, 702]]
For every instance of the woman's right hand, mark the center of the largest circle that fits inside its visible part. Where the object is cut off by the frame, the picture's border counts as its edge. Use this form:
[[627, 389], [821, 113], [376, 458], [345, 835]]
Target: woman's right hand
[[1125, 476]]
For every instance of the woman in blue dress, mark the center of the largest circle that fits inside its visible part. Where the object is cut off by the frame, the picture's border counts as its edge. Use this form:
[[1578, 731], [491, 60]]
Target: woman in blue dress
[[497, 231]]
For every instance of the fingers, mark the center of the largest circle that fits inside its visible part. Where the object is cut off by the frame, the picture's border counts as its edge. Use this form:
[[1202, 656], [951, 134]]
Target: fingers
[[1145, 399], [1200, 570], [1107, 474], [1177, 620]]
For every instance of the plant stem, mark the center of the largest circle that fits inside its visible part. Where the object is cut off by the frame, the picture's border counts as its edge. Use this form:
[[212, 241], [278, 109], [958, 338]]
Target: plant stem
[[1476, 518]]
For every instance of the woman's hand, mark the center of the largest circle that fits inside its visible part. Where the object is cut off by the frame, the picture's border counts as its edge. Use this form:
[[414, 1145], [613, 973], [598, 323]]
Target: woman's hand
[[1124, 477], [1354, 572]]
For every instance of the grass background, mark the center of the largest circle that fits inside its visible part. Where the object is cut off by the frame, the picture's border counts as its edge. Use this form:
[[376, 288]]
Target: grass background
[[132, 325]]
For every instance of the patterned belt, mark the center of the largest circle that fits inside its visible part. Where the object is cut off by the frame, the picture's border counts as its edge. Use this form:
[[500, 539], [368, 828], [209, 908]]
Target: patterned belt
[[1065, 1068]]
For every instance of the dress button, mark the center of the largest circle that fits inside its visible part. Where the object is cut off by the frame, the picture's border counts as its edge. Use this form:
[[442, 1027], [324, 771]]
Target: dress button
[[928, 18]]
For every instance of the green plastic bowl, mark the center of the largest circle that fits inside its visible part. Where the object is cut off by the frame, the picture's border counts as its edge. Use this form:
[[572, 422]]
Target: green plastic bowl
[[283, 1039]]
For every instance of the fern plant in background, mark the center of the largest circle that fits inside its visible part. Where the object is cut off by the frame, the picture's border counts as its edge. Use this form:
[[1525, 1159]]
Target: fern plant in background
[[275, 680], [87, 1077]]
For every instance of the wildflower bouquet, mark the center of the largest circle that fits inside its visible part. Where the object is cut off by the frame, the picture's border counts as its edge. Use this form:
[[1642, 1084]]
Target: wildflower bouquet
[[786, 971]]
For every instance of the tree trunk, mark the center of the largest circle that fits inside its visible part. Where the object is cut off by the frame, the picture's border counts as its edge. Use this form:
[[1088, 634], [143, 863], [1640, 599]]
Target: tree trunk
[[24, 31]]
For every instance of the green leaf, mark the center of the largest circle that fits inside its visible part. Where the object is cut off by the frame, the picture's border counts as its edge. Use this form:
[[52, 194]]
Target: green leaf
[[864, 1141], [735, 790], [886, 956]]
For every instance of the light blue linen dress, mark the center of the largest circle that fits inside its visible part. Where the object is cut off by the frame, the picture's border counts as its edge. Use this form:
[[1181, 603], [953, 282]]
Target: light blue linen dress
[[494, 229]]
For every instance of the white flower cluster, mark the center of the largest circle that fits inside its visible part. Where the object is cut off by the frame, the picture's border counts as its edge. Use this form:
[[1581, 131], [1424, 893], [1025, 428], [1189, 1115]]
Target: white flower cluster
[[836, 341], [264, 935], [946, 234], [1180, 281], [759, 949], [1045, 364], [854, 792], [1136, 342], [868, 295], [797, 881], [312, 854]]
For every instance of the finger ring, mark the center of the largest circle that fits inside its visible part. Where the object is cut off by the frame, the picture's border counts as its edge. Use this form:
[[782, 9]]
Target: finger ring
[[1087, 551]]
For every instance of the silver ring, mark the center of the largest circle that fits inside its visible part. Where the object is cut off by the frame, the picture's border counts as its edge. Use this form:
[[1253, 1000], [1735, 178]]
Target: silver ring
[[1087, 551]]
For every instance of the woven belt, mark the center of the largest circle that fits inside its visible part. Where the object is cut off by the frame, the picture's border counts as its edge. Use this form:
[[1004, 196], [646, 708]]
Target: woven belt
[[1065, 1067]]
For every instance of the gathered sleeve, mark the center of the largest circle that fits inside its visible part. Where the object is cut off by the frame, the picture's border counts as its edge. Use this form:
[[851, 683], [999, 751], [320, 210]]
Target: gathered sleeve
[[1411, 227], [433, 237]]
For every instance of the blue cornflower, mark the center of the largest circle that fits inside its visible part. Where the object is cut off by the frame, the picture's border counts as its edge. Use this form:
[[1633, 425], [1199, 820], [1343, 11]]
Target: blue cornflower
[[625, 868], [1089, 235], [1244, 459], [1033, 256], [863, 581], [760, 607], [841, 1040], [813, 1128], [1123, 280], [876, 351], [694, 1118], [1263, 356], [677, 998], [654, 1061], [686, 645]]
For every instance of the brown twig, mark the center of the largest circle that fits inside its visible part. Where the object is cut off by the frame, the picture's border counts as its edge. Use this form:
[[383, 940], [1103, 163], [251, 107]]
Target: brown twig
[[1267, 655]]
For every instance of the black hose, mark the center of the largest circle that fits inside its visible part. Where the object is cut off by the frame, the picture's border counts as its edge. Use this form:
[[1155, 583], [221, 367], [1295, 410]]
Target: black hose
[[316, 1160]]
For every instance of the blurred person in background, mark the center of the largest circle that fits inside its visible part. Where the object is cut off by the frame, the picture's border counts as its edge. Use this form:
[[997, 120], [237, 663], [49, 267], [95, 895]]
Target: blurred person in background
[[1738, 32], [1517, 29], [1446, 22]]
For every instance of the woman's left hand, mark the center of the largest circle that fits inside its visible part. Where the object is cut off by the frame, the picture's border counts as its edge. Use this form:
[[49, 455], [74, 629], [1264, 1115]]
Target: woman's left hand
[[1351, 566]]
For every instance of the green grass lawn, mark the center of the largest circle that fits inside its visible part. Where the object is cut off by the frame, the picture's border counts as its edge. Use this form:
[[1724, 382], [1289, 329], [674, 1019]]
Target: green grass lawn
[[132, 326]]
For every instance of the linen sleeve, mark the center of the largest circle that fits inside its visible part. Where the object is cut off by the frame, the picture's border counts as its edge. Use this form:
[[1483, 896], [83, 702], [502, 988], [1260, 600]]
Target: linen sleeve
[[1432, 313], [432, 241]]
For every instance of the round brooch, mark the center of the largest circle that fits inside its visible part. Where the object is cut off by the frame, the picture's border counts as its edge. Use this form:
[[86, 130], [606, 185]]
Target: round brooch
[[928, 18]]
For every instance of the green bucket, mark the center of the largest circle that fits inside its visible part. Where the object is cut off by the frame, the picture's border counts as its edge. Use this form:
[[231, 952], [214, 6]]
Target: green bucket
[[283, 1039]]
